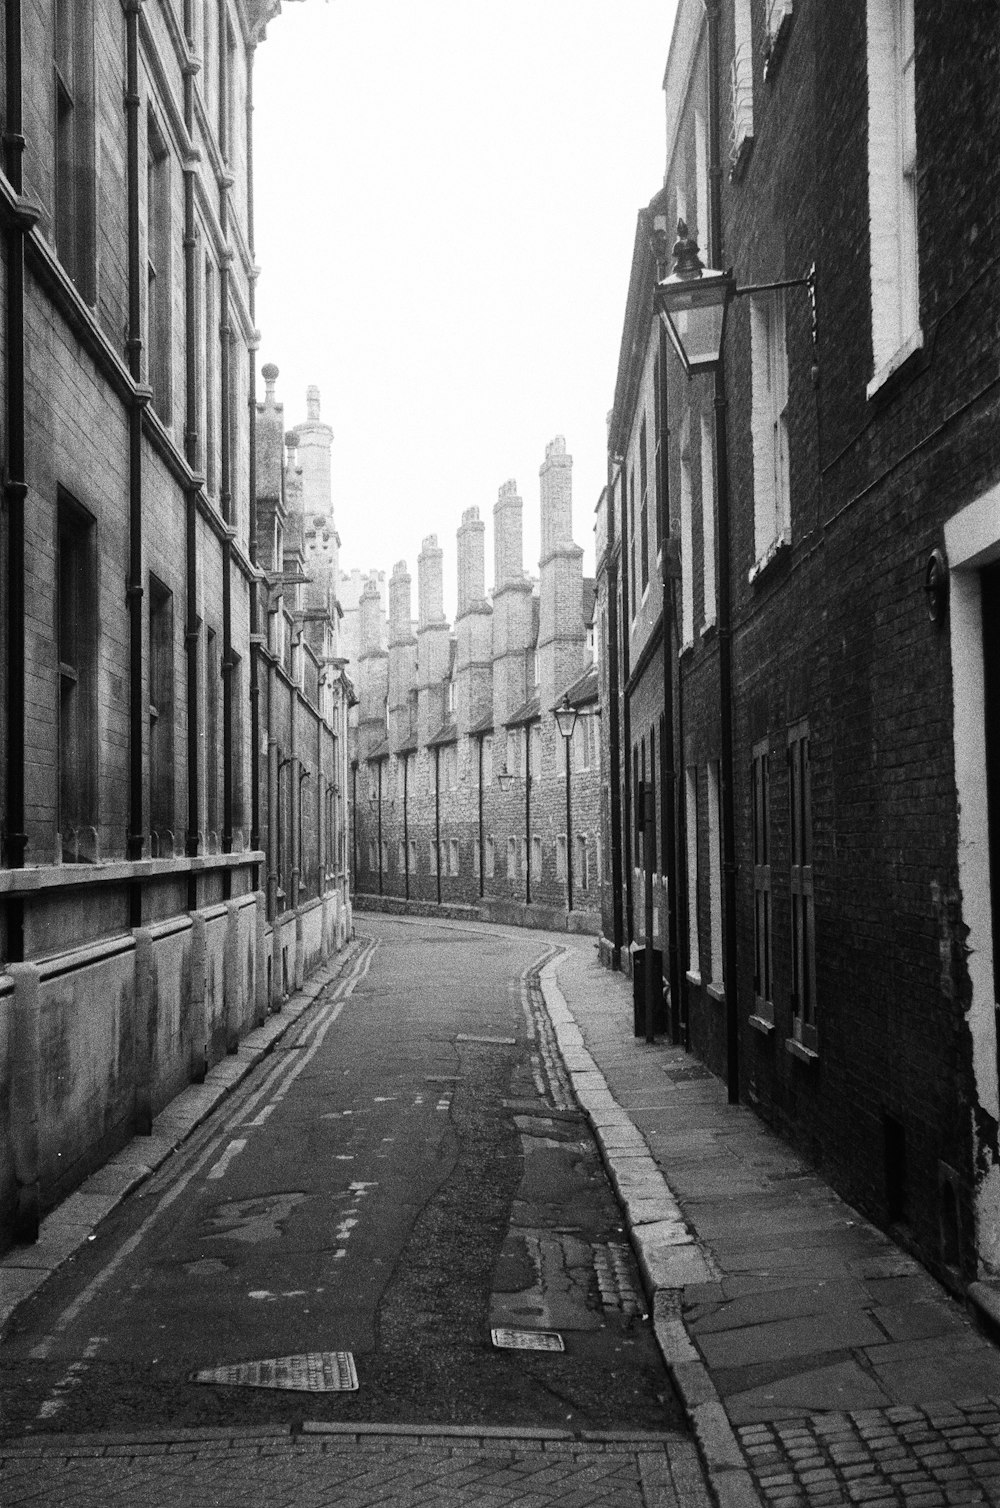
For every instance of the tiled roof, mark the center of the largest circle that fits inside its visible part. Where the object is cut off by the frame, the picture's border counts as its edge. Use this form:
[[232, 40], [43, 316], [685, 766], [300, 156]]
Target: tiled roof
[[448, 734], [530, 712], [584, 690]]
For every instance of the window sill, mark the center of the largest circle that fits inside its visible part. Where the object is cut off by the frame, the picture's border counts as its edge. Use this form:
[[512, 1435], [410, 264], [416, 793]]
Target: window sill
[[777, 555], [716, 992], [686, 648], [800, 1051], [761, 1024], [111, 871], [741, 157], [776, 45], [709, 629], [896, 362], [693, 978]]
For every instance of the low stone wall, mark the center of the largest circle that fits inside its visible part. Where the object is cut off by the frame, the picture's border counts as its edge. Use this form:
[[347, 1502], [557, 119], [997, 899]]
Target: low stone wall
[[505, 913], [95, 1042]]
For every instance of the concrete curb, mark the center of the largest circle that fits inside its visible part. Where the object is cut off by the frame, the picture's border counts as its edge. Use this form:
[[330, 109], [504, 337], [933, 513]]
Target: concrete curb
[[669, 1254], [23, 1269]]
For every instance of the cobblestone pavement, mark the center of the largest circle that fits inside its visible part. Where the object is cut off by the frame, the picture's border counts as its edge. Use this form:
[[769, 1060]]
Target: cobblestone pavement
[[925, 1457], [362, 1468]]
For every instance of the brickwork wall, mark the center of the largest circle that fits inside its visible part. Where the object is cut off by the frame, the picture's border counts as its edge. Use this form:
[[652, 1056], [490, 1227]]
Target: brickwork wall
[[76, 899], [835, 629]]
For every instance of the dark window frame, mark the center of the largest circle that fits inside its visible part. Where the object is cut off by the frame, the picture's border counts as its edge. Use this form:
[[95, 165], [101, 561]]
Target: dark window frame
[[76, 624], [801, 888], [763, 919]]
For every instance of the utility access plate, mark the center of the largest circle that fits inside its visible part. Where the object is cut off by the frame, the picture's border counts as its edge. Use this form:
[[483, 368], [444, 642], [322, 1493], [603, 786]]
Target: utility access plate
[[527, 1340], [313, 1372]]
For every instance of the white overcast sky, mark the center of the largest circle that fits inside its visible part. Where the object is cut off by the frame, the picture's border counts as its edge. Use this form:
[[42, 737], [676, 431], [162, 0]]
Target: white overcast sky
[[446, 202]]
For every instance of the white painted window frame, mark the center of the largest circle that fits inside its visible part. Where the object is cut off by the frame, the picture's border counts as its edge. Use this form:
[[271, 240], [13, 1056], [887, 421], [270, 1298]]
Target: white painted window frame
[[892, 188], [769, 425]]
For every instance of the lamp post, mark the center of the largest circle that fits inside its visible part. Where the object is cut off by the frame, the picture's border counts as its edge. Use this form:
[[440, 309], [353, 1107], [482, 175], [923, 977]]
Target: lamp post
[[406, 825], [354, 821], [375, 802], [566, 716]]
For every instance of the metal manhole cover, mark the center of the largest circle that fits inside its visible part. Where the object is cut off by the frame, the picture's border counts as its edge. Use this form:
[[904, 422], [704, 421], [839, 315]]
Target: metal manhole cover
[[527, 1340], [495, 1041], [314, 1372]]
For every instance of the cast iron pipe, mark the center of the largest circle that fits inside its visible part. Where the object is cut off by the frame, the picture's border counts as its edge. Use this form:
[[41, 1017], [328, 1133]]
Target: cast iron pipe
[[134, 591], [724, 598], [15, 839], [667, 749], [614, 734], [437, 817]]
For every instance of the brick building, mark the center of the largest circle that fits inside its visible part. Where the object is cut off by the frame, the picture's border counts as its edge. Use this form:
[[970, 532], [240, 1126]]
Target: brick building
[[843, 536], [165, 667], [461, 773]]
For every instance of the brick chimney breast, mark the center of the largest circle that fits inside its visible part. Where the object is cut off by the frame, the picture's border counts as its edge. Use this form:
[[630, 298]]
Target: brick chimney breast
[[400, 629], [507, 544], [430, 582], [471, 562], [556, 473]]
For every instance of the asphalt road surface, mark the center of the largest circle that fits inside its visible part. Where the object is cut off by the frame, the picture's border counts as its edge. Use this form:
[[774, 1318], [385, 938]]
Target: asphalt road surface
[[404, 1173]]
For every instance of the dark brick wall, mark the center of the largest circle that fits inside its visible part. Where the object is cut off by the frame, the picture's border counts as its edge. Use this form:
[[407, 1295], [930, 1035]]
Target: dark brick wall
[[835, 628], [838, 632]]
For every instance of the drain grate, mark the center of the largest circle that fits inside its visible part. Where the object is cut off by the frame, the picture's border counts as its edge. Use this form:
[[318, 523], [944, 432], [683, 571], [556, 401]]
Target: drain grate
[[527, 1340], [313, 1372]]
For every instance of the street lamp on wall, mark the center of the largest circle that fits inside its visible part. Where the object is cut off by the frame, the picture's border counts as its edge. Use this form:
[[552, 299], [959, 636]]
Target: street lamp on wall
[[692, 302], [505, 778]]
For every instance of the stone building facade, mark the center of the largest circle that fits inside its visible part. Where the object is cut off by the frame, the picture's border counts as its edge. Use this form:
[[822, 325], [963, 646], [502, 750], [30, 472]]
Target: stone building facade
[[461, 774], [141, 683], [848, 533]]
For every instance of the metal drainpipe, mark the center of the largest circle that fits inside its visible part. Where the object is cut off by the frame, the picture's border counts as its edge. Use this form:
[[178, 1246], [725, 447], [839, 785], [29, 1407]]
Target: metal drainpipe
[[724, 602], [192, 634], [628, 826], [667, 750], [569, 835], [527, 814], [134, 591], [321, 813], [225, 480], [482, 886], [255, 606], [437, 818], [380, 881], [614, 739], [15, 839], [354, 821], [406, 825], [226, 500], [294, 878]]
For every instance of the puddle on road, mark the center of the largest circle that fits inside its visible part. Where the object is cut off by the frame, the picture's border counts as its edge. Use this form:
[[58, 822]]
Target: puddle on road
[[252, 1220], [206, 1267]]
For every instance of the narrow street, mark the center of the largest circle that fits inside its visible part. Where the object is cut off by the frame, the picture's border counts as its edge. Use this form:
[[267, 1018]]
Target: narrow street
[[405, 1172]]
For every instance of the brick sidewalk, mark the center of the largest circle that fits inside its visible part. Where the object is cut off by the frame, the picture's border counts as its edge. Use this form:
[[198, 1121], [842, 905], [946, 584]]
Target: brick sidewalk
[[339, 1467], [819, 1362]]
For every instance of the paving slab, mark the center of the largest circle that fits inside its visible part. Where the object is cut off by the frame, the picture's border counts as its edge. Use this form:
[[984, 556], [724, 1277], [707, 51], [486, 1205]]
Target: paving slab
[[783, 1311]]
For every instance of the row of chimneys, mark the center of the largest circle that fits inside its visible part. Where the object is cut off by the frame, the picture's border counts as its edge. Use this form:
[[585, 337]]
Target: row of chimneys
[[494, 641]]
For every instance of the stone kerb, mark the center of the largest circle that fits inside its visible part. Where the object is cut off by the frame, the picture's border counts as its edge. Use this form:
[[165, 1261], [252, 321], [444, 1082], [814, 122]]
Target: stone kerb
[[669, 1255]]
